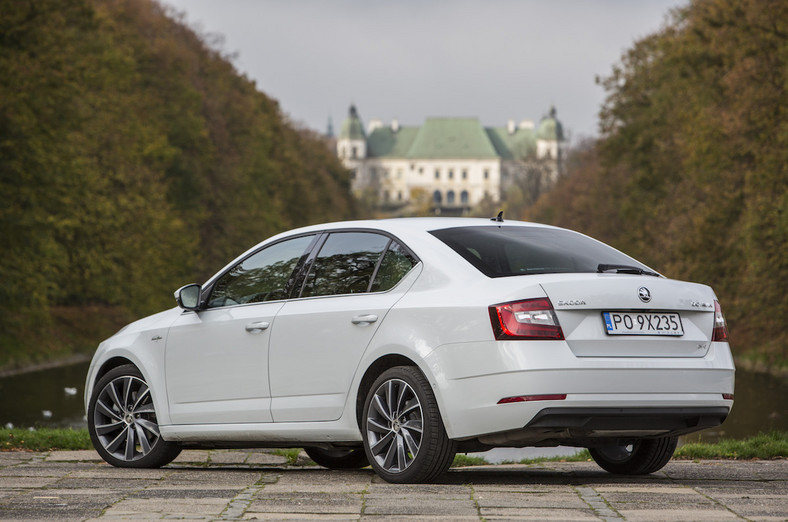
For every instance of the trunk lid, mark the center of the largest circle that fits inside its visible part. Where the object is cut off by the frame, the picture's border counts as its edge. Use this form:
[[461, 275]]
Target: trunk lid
[[581, 299]]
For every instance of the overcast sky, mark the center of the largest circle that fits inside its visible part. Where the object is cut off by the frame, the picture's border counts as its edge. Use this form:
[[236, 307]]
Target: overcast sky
[[411, 59]]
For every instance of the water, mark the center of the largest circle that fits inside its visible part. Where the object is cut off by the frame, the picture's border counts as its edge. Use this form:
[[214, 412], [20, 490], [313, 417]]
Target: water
[[761, 405], [39, 399]]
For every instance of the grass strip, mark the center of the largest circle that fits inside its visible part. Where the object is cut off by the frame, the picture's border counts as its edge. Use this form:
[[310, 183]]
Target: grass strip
[[765, 446], [44, 439]]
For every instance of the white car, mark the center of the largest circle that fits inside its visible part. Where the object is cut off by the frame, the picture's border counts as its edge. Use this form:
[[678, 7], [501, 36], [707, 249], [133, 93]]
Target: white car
[[398, 343]]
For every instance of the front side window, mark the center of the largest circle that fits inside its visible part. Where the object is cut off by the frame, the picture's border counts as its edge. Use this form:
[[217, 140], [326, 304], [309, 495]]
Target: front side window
[[346, 264], [508, 250], [263, 276]]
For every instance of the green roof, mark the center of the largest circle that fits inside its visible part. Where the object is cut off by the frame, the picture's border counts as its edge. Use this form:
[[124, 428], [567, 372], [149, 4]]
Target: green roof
[[385, 143], [452, 138], [520, 144]]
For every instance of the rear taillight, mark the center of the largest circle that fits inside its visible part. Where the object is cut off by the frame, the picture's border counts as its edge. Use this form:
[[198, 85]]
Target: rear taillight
[[720, 332], [529, 319]]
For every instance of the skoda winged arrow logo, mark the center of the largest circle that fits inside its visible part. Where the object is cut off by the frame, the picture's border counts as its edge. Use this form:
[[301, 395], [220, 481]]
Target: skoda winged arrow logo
[[644, 294]]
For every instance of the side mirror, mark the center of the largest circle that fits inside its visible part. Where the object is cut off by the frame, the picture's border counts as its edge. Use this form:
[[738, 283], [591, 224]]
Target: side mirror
[[188, 297]]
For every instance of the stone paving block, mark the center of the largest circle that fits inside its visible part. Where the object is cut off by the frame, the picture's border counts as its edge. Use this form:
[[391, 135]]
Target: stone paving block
[[503, 513], [216, 477], [266, 459], [317, 503], [183, 508], [112, 472], [296, 516], [428, 505], [569, 500], [657, 489], [218, 457], [319, 480], [26, 482], [75, 456], [688, 470], [119, 483], [192, 456], [181, 493], [12, 458], [661, 515]]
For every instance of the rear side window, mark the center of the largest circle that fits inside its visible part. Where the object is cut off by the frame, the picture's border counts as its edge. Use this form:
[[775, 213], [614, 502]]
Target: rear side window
[[345, 264], [357, 262], [506, 251], [396, 263]]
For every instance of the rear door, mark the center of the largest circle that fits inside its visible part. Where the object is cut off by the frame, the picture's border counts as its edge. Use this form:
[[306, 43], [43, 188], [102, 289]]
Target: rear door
[[319, 339]]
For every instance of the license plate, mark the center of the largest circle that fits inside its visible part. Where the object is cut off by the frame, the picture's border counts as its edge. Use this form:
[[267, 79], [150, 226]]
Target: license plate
[[642, 323]]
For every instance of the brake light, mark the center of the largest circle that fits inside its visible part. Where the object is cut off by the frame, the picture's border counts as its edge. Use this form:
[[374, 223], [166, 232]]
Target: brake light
[[720, 332], [529, 319]]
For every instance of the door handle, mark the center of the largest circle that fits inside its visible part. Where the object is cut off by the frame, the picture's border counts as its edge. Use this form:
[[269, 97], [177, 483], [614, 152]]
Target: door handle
[[257, 326], [364, 319]]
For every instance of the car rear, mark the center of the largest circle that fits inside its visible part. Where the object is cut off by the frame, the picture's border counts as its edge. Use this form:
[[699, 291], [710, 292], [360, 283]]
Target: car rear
[[584, 345]]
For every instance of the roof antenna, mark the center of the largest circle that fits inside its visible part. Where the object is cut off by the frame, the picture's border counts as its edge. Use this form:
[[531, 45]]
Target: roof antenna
[[498, 218]]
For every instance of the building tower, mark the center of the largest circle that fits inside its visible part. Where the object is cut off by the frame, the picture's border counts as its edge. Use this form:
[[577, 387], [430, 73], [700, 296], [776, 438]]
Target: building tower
[[352, 142]]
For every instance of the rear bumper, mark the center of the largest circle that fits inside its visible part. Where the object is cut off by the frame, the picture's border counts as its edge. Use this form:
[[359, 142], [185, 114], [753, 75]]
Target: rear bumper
[[606, 398]]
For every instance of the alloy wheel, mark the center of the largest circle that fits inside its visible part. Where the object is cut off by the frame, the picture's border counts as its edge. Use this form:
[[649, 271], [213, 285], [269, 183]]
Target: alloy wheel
[[394, 425], [125, 420]]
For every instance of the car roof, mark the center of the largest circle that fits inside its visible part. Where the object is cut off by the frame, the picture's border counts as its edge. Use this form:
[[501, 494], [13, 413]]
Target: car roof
[[413, 224]]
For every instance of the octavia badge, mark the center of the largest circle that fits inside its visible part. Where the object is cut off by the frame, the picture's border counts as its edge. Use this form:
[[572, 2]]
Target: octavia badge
[[644, 294]]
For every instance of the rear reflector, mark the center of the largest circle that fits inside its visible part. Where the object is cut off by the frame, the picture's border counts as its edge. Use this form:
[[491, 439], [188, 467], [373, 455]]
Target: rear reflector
[[720, 332], [527, 398], [727, 396], [529, 319]]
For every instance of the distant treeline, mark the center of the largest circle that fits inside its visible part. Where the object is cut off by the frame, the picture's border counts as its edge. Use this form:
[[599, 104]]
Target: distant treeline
[[133, 158], [690, 174]]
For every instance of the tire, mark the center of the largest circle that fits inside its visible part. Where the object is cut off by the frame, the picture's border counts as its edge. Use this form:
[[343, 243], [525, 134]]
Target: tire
[[122, 422], [403, 433], [338, 458], [640, 458]]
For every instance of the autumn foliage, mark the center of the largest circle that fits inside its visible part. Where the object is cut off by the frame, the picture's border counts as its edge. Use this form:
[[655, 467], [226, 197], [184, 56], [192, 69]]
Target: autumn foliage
[[134, 158], [691, 171]]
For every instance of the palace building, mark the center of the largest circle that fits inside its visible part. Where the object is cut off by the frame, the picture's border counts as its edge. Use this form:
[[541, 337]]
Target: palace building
[[454, 162]]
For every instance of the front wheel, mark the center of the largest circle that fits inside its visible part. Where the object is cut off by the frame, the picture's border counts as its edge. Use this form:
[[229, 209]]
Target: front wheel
[[122, 422], [338, 458], [404, 437], [639, 458]]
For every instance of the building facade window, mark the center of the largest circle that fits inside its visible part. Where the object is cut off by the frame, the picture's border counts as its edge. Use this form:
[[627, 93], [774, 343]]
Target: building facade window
[[464, 174], [436, 197], [451, 174], [486, 174], [354, 152], [437, 173], [450, 197], [464, 197]]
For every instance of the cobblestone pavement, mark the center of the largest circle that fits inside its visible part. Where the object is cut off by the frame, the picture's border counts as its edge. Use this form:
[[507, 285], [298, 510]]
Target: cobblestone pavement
[[232, 485]]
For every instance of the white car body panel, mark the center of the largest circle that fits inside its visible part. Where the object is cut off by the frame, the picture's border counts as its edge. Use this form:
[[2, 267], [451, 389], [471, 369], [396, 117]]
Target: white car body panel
[[217, 371], [298, 381]]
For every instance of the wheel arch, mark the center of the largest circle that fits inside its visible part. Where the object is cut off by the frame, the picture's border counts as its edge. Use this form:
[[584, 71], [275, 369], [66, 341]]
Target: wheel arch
[[379, 366]]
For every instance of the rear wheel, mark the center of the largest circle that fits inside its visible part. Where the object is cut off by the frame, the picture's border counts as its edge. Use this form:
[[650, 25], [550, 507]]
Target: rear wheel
[[404, 437], [122, 422], [639, 458], [338, 458]]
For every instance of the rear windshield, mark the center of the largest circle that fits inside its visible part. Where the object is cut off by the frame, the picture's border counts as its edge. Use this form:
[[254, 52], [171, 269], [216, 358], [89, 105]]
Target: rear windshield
[[507, 251]]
